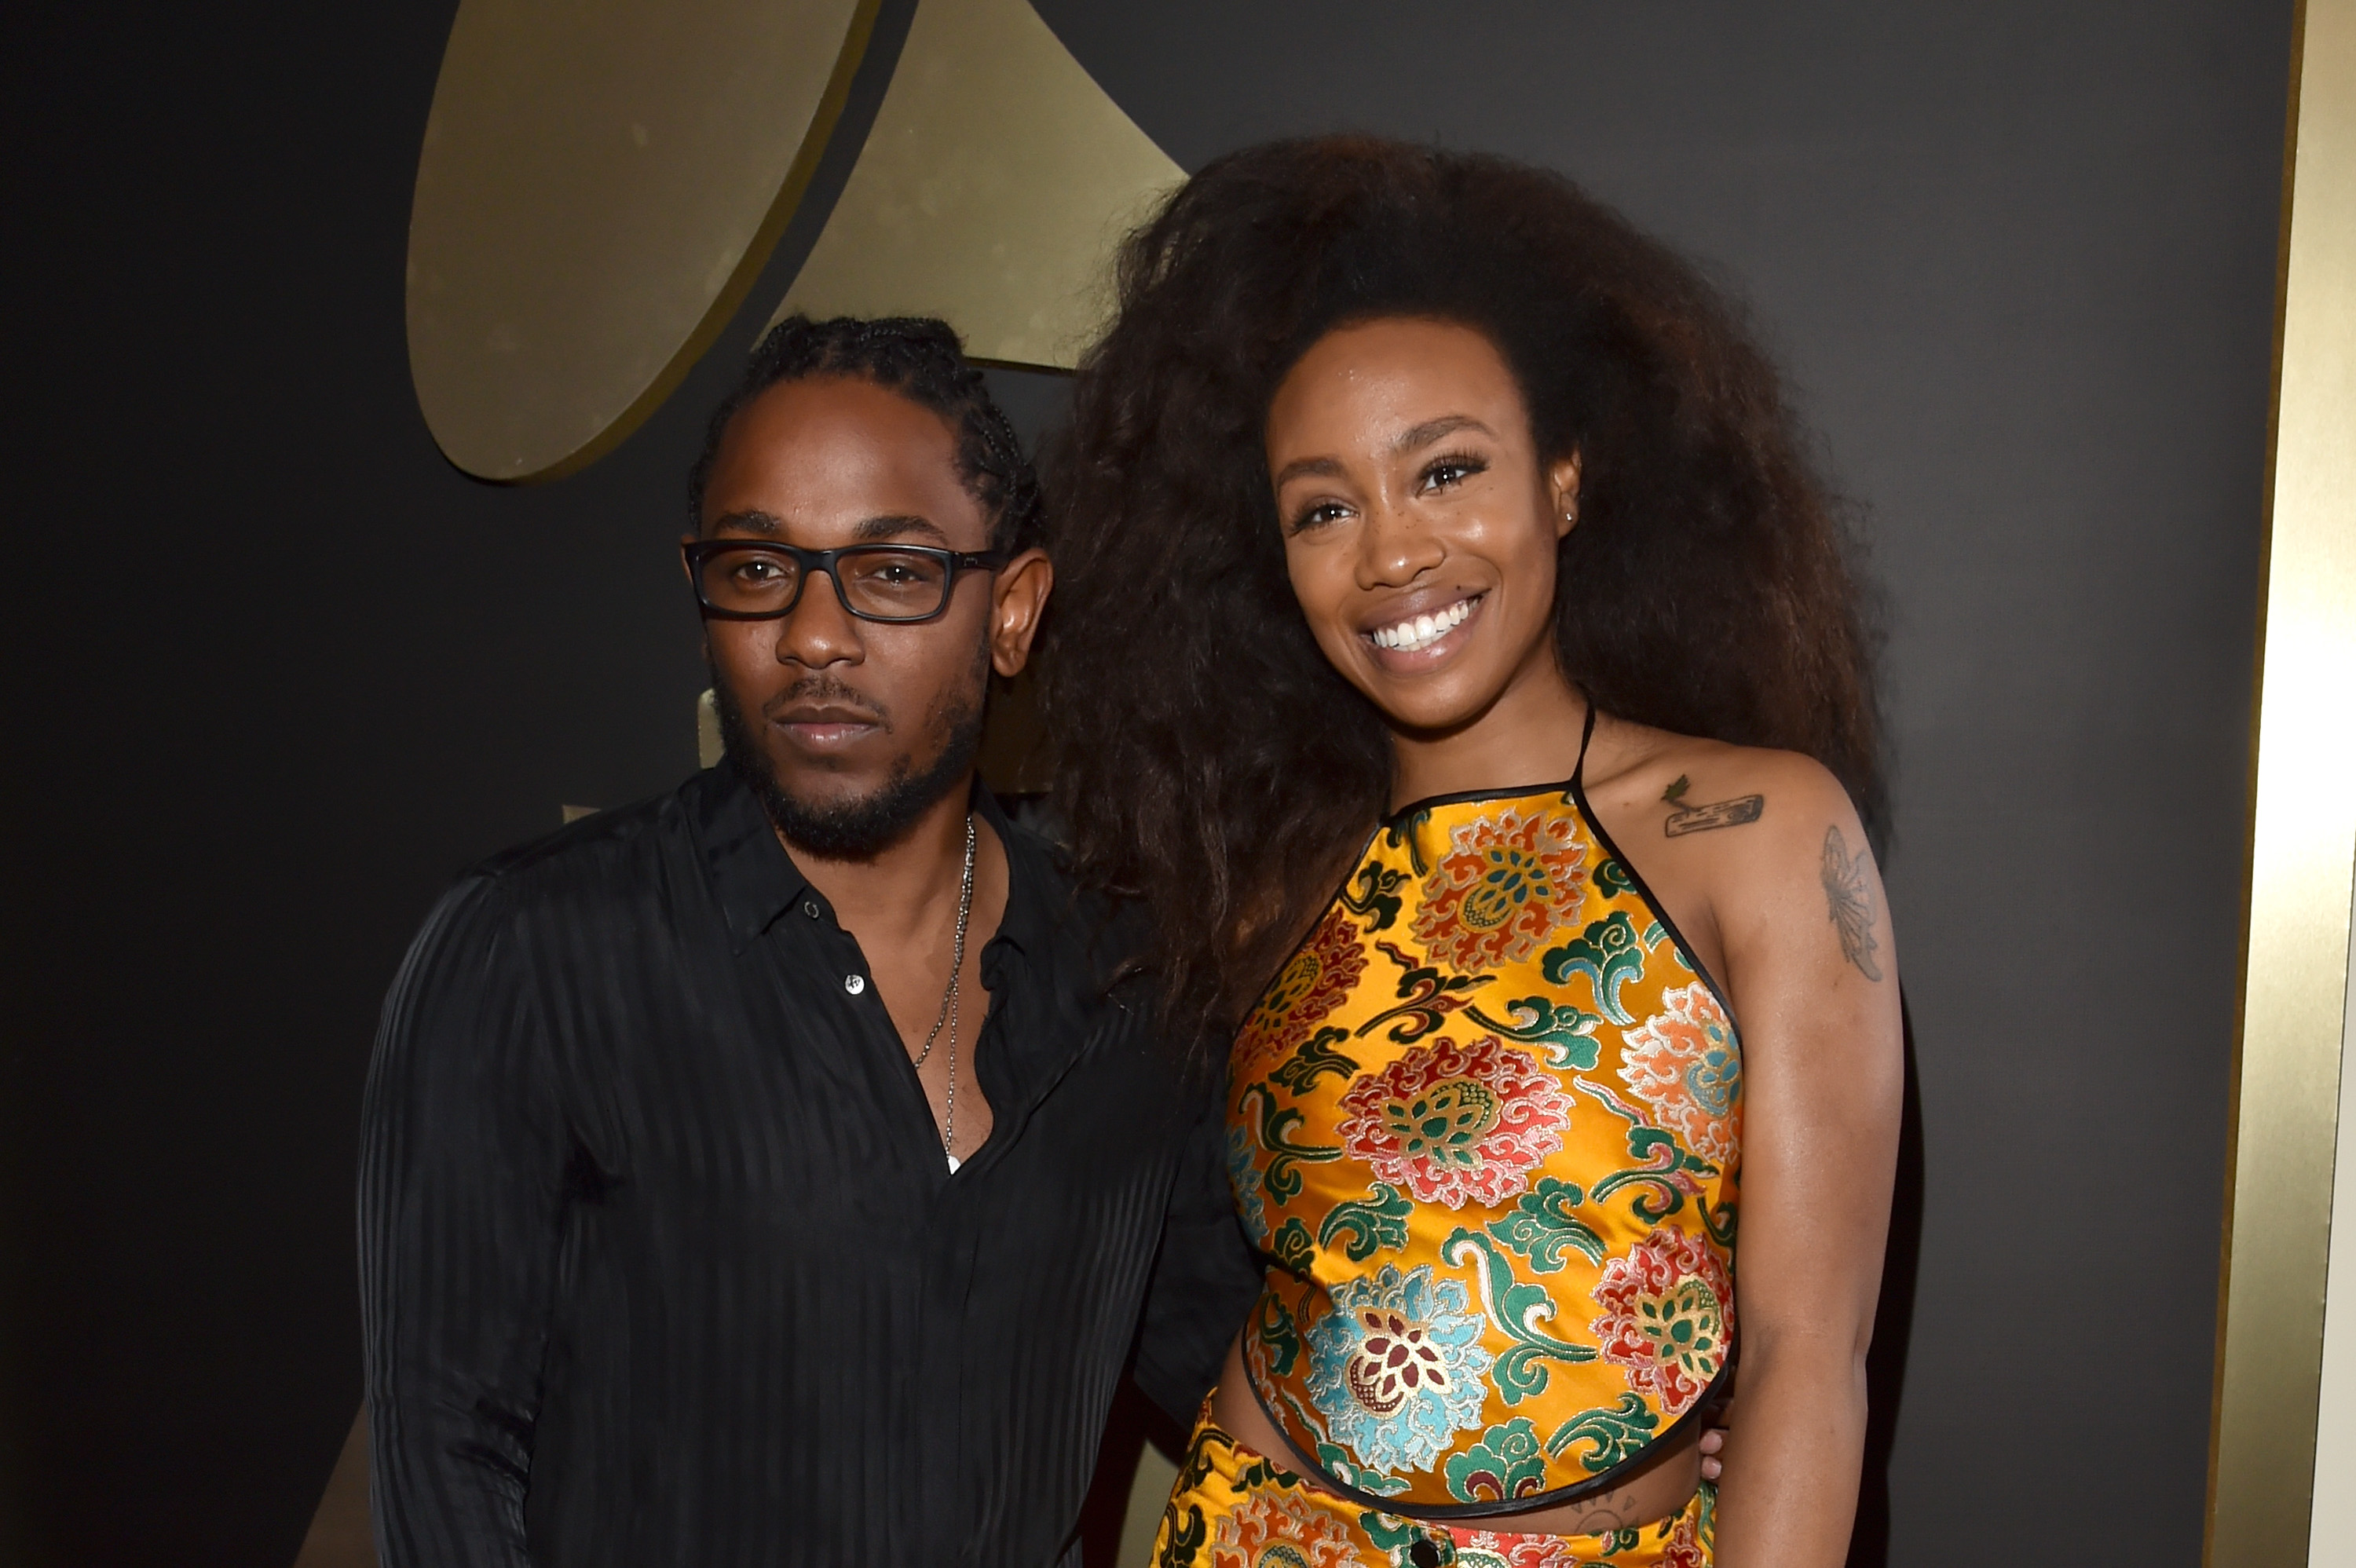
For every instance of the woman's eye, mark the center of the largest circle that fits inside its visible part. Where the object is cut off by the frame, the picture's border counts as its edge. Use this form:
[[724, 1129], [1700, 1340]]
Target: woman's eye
[[1452, 471], [1317, 516]]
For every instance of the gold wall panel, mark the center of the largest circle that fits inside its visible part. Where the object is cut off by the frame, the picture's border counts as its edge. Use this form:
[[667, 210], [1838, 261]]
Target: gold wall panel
[[601, 182], [2302, 849], [991, 190], [2333, 1527]]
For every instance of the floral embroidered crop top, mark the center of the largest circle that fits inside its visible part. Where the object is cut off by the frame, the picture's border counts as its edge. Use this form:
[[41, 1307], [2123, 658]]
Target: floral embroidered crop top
[[1487, 1122]]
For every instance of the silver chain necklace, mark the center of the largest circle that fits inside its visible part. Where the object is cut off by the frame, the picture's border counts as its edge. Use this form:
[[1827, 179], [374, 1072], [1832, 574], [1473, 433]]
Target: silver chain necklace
[[949, 1013]]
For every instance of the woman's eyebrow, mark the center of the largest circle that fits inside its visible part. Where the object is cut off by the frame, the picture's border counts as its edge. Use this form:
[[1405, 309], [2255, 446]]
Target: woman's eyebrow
[[1430, 431], [1300, 467], [1407, 441]]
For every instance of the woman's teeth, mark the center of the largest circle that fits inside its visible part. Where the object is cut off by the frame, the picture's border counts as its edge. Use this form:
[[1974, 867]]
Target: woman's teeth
[[1424, 630]]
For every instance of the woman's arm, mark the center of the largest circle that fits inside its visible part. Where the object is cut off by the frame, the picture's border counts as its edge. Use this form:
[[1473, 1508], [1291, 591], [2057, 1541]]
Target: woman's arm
[[1811, 969]]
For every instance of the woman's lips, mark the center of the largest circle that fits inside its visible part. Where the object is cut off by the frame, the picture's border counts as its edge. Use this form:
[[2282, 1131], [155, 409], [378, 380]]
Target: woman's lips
[[1429, 637]]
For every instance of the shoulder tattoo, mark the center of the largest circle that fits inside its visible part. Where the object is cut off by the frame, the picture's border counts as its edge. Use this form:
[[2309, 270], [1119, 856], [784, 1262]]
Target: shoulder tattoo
[[1850, 904], [1686, 819]]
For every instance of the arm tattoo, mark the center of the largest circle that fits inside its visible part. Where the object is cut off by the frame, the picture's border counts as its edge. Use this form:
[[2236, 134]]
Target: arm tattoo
[[1850, 904], [1702, 818]]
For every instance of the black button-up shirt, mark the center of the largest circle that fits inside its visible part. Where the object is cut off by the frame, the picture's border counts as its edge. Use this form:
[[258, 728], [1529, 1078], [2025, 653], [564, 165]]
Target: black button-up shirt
[[661, 1260]]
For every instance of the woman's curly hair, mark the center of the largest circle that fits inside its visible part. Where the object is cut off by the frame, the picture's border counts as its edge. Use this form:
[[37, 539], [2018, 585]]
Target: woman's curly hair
[[1207, 758]]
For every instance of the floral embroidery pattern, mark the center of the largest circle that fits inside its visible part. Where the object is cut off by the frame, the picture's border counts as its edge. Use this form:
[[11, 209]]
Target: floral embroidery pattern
[[1454, 1123], [1396, 1368], [1243, 1175], [1693, 1535], [1311, 984], [1666, 1317], [1488, 1549], [1508, 882], [1485, 1129], [1682, 1061], [1271, 1530], [1504, 1465]]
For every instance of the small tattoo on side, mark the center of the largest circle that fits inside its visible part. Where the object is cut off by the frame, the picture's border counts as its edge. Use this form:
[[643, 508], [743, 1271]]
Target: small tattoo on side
[[1850, 904], [1605, 1514], [1702, 818]]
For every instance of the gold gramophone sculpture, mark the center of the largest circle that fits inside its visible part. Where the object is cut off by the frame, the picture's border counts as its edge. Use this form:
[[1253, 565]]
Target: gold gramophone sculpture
[[602, 185]]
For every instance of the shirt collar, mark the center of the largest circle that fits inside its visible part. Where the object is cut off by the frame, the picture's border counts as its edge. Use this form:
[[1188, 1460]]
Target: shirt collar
[[756, 881]]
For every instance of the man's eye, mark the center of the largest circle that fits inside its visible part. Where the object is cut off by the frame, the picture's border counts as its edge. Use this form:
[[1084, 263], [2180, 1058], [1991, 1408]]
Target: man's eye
[[755, 572]]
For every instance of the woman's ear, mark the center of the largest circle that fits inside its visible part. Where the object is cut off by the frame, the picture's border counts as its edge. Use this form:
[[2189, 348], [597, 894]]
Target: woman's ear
[[1562, 482]]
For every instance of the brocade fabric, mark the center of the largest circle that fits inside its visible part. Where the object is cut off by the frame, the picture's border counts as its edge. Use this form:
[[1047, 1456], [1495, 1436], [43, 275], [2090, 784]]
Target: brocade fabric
[[661, 1262], [1236, 1508], [1485, 1123]]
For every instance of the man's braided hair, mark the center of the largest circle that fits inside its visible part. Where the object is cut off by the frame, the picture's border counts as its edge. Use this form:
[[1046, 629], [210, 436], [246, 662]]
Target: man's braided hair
[[921, 359]]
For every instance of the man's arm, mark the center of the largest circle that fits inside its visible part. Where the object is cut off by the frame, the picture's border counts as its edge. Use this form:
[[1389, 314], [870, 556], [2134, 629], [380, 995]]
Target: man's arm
[[462, 1168], [1205, 1279]]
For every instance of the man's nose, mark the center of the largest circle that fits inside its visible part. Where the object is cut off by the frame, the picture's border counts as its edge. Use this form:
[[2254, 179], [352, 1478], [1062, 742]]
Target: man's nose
[[1396, 548], [819, 631]]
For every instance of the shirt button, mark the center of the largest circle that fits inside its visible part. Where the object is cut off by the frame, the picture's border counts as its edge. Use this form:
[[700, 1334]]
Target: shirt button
[[854, 984], [809, 908]]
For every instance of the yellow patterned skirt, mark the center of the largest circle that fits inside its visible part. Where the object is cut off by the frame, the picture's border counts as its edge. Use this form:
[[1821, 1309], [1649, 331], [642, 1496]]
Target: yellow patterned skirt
[[1235, 1509]]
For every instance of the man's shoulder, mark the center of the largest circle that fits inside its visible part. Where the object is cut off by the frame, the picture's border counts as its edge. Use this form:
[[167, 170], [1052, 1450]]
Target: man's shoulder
[[614, 853], [1104, 933]]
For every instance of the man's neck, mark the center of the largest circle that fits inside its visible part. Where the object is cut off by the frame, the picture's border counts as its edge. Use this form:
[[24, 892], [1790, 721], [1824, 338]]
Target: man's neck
[[900, 891]]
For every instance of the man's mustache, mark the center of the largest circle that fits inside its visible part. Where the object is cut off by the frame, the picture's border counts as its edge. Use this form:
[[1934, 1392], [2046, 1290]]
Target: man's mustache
[[819, 689]]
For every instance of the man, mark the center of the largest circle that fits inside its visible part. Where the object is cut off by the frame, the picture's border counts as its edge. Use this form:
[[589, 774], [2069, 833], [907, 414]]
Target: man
[[779, 1171]]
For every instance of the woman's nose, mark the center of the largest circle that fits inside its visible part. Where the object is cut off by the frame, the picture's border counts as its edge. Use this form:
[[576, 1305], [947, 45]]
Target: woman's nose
[[1398, 548]]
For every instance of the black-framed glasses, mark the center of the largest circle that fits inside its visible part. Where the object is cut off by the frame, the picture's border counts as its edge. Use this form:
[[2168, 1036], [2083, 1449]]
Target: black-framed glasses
[[754, 580]]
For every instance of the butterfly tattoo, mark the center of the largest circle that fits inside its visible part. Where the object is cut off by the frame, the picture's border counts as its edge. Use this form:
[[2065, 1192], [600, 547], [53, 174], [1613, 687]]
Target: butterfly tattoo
[[1851, 905]]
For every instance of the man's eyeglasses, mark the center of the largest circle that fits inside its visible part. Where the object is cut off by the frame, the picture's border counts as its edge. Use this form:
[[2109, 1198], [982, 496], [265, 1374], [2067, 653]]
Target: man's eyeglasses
[[754, 580]]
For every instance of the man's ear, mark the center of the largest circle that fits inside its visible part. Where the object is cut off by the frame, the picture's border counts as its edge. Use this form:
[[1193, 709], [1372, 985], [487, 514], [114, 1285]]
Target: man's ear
[[1018, 597], [1562, 485]]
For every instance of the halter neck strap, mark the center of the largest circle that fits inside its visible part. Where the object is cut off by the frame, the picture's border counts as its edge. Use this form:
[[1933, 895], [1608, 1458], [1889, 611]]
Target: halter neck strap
[[1586, 733]]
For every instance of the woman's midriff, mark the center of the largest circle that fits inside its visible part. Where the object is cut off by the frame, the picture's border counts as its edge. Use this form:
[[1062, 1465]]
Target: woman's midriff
[[1656, 1490]]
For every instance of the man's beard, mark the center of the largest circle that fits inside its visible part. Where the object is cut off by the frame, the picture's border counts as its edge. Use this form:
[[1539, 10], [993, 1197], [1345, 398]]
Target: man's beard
[[861, 828]]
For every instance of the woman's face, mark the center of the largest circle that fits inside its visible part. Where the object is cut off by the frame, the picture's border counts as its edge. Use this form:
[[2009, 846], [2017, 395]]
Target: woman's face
[[1419, 524]]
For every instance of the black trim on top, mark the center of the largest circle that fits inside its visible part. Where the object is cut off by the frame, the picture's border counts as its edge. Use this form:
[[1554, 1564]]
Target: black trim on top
[[1322, 911], [1458, 797], [1636, 879], [1575, 787], [1530, 1504]]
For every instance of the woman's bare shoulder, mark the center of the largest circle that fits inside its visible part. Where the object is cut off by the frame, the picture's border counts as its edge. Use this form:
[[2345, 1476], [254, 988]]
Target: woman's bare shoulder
[[1677, 787]]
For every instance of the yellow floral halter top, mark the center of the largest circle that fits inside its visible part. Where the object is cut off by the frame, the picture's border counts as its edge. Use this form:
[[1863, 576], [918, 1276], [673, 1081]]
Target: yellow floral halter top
[[1487, 1122]]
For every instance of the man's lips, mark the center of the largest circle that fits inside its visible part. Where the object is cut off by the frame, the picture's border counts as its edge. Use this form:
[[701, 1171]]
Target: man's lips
[[826, 727]]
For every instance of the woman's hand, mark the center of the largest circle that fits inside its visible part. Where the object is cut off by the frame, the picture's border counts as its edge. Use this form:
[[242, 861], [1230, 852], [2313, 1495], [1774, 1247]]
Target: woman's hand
[[1718, 1419]]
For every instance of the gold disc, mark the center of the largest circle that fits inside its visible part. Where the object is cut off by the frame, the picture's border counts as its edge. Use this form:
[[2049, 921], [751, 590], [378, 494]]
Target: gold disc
[[601, 182]]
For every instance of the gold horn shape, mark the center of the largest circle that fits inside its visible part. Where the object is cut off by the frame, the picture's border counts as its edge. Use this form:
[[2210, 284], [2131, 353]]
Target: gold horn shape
[[992, 191], [601, 182]]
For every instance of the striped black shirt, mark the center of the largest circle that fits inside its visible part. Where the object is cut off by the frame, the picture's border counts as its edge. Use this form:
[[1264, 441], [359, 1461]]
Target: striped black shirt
[[661, 1262]]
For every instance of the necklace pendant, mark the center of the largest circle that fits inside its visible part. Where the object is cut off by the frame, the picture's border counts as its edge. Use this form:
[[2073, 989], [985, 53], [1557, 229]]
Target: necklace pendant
[[954, 1163]]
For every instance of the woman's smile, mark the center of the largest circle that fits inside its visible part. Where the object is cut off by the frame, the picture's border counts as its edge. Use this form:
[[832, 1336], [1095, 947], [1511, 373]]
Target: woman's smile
[[1417, 638]]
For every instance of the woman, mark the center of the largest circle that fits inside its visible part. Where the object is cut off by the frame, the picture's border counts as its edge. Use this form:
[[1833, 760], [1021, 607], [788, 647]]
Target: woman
[[1428, 533]]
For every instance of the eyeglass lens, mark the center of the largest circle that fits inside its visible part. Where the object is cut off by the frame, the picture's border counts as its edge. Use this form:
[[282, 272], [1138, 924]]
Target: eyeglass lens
[[887, 583]]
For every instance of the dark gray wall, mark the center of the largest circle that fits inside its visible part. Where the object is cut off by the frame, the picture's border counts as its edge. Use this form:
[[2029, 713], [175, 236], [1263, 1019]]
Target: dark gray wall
[[2018, 258]]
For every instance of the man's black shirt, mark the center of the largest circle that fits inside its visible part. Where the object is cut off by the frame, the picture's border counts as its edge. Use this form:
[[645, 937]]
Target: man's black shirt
[[662, 1262]]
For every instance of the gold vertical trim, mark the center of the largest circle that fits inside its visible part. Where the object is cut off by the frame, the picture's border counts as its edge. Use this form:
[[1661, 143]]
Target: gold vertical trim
[[2302, 846]]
